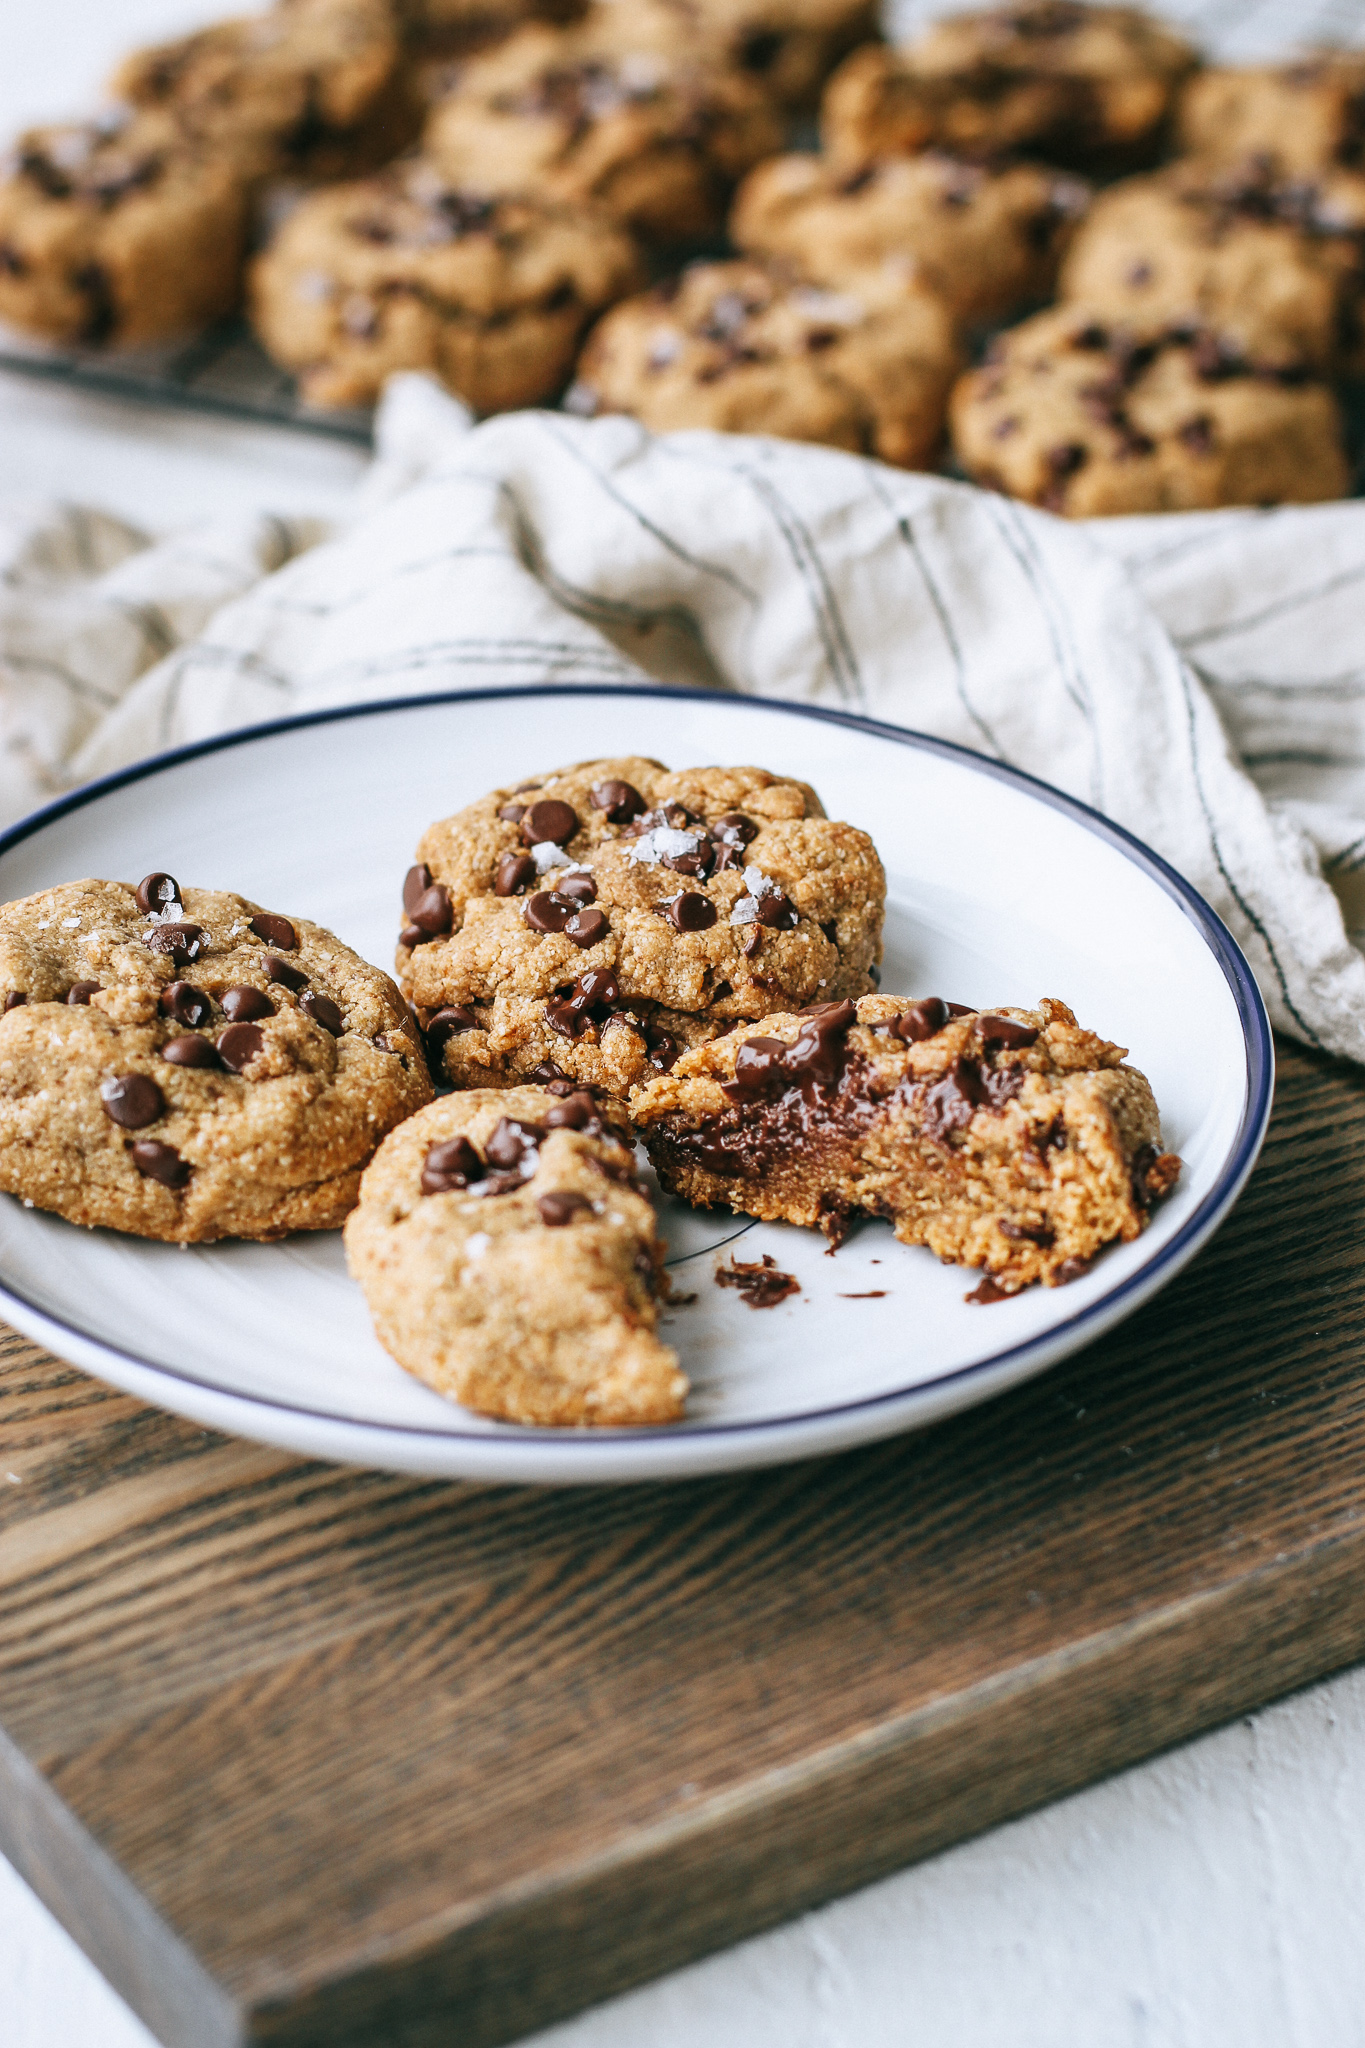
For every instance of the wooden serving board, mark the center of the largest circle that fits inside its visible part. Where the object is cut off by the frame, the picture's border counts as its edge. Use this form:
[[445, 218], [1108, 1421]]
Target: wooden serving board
[[311, 1755]]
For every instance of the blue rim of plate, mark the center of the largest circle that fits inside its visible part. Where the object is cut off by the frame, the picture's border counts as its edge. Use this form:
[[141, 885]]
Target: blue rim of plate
[[1102, 1313]]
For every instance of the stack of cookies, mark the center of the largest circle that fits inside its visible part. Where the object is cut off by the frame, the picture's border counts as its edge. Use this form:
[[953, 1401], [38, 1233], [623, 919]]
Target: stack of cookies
[[1201, 232], [607, 955]]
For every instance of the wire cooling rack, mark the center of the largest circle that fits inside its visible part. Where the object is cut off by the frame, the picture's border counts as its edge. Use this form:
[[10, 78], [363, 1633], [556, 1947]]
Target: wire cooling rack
[[225, 371]]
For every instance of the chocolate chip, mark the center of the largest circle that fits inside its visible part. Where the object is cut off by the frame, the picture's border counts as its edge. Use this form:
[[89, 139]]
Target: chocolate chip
[[447, 1024], [777, 911], [922, 1020], [276, 931], [278, 970], [132, 1100], [578, 888], [549, 912], [155, 891], [1004, 1031], [664, 1051], [946, 1105], [818, 1051], [433, 912], [759, 1071], [1026, 1233], [621, 801], [1066, 458], [515, 872], [1000, 1085], [549, 820], [451, 1165], [189, 1051], [416, 882], [586, 928], [512, 1142], [183, 942], [239, 1045], [577, 1112], [753, 940], [690, 912], [567, 1017], [697, 860], [81, 991], [960, 1010], [15, 1000], [561, 1207], [734, 829], [551, 1076], [184, 1003], [1197, 434], [323, 1012], [241, 1004], [159, 1162], [1069, 1270], [512, 814], [411, 937]]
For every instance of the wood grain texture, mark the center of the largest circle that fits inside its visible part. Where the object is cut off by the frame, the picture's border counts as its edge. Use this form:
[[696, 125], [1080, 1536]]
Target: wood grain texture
[[310, 1755]]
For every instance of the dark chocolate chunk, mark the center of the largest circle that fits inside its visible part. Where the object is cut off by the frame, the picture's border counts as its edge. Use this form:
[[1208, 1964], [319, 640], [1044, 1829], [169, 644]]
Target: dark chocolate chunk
[[924, 1019], [189, 1051], [515, 872], [512, 814], [15, 1000], [1000, 1085], [416, 882], [550, 1076], [281, 972], [132, 1100], [777, 911], [577, 1112], [241, 1005], [81, 991], [433, 912], [1027, 1233], [1004, 1031], [323, 1012], [549, 820], [664, 1050], [549, 912], [451, 1165], [753, 939], [946, 1105], [620, 801], [759, 1070], [514, 1143], [155, 891], [690, 911], [239, 1045], [561, 1207], [158, 1162], [183, 942], [578, 888], [817, 1053], [587, 928], [183, 1003], [448, 1023], [276, 931]]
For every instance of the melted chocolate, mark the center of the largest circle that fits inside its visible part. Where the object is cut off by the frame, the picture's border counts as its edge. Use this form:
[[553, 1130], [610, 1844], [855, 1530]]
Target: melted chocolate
[[760, 1282]]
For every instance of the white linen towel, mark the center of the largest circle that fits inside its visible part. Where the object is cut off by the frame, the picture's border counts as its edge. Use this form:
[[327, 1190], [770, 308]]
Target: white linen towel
[[1199, 678]]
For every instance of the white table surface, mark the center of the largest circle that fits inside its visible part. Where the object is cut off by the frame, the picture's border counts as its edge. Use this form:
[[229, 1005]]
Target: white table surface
[[1213, 1896]]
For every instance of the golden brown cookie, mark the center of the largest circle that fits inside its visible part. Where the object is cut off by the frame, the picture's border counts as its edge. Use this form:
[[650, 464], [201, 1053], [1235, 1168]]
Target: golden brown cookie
[[787, 46], [1084, 85], [314, 88], [183, 1064], [736, 347], [510, 1259], [590, 115], [118, 231], [403, 272], [1274, 267], [575, 910], [1008, 1139], [984, 239], [1301, 118], [1084, 419]]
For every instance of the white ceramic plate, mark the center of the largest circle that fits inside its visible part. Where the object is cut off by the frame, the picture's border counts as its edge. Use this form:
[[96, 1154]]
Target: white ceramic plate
[[1000, 891]]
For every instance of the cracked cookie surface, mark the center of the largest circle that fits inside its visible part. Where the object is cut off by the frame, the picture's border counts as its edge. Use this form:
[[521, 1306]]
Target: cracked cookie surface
[[189, 1066], [510, 1259], [1011, 1140], [588, 908]]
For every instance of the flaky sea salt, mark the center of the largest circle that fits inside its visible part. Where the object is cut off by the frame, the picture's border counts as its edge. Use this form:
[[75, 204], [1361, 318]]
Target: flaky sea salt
[[745, 911], [665, 842]]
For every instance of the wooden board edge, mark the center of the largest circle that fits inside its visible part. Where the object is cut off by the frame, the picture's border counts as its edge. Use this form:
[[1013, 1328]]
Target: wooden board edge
[[151, 1969], [845, 1819]]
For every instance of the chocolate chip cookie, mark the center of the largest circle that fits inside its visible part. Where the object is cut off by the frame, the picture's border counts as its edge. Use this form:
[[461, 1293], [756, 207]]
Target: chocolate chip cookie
[[592, 921], [182, 1064], [592, 116], [788, 46], [1084, 419], [404, 272], [1010, 1140], [117, 231], [1273, 267], [731, 346], [510, 1259], [1301, 119], [315, 88], [985, 239], [1083, 85]]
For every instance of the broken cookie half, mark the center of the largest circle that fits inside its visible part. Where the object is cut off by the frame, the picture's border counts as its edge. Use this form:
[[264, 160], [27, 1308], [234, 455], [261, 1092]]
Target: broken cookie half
[[1010, 1140], [510, 1259]]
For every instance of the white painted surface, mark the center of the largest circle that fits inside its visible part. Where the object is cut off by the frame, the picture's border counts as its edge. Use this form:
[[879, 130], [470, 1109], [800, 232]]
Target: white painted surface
[[1212, 1897]]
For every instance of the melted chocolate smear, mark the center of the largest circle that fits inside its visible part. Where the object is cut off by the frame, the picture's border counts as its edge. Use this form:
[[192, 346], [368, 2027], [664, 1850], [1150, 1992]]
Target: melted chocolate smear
[[872, 1294], [760, 1284], [987, 1292], [766, 1067], [946, 1105], [745, 1141]]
